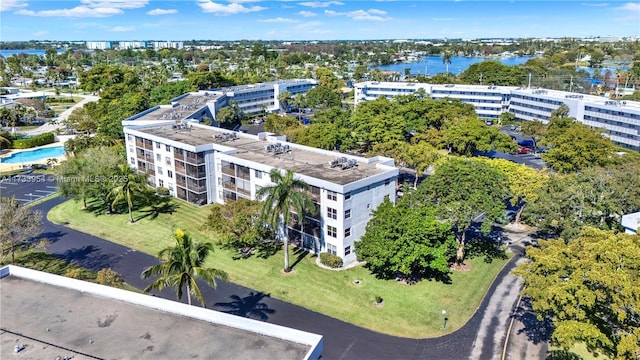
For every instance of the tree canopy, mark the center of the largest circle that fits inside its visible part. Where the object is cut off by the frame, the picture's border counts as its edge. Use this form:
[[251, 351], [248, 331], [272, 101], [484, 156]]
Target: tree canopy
[[590, 287]]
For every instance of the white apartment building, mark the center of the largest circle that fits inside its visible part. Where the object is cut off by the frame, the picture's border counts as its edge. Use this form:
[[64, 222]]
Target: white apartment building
[[132, 45], [620, 119], [253, 98], [98, 45], [203, 164], [157, 45]]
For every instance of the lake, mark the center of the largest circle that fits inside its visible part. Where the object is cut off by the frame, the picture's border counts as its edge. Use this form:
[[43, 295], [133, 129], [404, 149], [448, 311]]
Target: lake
[[10, 52], [431, 65]]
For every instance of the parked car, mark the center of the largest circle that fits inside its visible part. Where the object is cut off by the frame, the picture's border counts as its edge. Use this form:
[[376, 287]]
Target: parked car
[[524, 150]]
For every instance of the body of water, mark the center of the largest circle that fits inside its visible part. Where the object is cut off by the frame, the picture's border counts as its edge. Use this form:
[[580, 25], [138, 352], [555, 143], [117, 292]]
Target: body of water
[[431, 65], [10, 52], [34, 155]]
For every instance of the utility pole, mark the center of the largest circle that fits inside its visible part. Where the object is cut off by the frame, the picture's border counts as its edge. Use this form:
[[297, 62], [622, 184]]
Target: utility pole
[[529, 86]]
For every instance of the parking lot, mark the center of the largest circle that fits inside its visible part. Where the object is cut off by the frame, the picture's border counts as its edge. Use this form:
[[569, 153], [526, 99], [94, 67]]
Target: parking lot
[[28, 188]]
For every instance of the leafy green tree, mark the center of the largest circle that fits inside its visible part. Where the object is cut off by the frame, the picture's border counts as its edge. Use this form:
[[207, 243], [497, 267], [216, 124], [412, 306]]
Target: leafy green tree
[[286, 194], [493, 72], [280, 124], [406, 241], [18, 224], [463, 191], [376, 122], [536, 129], [465, 137], [239, 226], [209, 80], [322, 136], [284, 98], [419, 157], [80, 121], [164, 93], [181, 265], [128, 185], [226, 117], [322, 98], [589, 286]]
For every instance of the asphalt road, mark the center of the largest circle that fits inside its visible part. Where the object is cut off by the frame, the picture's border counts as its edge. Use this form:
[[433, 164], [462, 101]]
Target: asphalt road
[[28, 188], [341, 340]]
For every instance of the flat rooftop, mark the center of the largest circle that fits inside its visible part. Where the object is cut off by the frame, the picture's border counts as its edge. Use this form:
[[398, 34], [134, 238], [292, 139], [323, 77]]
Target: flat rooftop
[[306, 162], [57, 321], [186, 105]]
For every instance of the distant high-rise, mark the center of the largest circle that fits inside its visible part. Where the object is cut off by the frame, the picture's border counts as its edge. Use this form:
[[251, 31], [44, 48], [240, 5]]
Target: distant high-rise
[[168, 44], [132, 45], [98, 45]]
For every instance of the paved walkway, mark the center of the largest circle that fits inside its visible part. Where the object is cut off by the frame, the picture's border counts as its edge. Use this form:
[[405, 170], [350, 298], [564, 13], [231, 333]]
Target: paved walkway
[[57, 124], [478, 339]]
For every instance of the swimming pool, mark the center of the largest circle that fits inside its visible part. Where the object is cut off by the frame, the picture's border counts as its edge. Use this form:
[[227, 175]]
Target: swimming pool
[[33, 155]]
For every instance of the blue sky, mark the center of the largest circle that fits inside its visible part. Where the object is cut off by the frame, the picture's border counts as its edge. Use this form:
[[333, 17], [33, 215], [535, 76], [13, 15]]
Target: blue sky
[[312, 20]]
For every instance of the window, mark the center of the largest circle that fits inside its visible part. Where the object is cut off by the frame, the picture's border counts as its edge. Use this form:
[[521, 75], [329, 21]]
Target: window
[[332, 213], [332, 195], [159, 171], [130, 137], [161, 183], [167, 160], [387, 182], [332, 249], [347, 214], [158, 157], [157, 145], [368, 206], [347, 232], [332, 231], [258, 174], [347, 196], [170, 174], [132, 160], [347, 250], [167, 147]]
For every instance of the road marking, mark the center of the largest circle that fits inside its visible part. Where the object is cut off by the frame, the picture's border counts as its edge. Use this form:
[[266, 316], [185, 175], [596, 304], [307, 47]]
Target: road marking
[[52, 187], [2, 187], [9, 183], [25, 200], [45, 191]]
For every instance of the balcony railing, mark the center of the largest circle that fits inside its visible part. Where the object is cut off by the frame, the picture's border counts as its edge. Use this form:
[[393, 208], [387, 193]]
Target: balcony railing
[[229, 185]]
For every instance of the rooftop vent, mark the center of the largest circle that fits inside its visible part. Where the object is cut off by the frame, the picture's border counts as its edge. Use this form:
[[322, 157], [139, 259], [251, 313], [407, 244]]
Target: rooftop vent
[[343, 163], [226, 137], [277, 148]]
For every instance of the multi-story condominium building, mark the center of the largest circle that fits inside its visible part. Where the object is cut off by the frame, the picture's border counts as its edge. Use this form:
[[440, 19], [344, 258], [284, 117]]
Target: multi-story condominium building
[[132, 45], [203, 164], [157, 45], [619, 119], [255, 98], [98, 45]]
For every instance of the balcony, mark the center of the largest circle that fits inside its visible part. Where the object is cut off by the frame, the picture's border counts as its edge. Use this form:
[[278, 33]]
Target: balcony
[[179, 154], [229, 185], [195, 159], [229, 170]]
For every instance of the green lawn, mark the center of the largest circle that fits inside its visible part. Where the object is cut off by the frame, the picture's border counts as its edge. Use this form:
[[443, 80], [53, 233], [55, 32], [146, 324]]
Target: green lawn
[[409, 311], [577, 352]]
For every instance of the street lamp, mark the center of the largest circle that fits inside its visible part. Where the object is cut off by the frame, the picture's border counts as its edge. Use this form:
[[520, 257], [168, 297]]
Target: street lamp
[[30, 197], [444, 320]]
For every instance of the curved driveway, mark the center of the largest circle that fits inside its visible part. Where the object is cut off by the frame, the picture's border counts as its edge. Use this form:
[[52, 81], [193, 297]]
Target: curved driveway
[[341, 340]]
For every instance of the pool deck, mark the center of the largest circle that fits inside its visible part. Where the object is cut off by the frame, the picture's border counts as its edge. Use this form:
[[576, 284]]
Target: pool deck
[[11, 167]]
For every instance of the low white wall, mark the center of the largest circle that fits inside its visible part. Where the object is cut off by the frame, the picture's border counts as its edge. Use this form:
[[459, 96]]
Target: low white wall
[[315, 341]]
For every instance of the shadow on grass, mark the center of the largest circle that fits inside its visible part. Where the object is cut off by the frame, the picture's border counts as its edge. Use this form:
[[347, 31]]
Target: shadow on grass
[[537, 331], [249, 306], [154, 210], [563, 355], [300, 254]]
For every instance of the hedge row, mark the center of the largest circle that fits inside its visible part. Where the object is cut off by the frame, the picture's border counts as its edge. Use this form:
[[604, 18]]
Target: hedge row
[[330, 260], [38, 140]]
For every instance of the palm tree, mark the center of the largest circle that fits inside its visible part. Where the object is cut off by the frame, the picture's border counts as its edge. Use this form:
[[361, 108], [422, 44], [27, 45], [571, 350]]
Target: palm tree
[[128, 183], [446, 59], [287, 194], [181, 266]]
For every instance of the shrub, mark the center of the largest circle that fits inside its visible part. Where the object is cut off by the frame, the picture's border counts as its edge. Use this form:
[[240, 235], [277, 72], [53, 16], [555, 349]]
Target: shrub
[[38, 140], [109, 277], [162, 191], [330, 260]]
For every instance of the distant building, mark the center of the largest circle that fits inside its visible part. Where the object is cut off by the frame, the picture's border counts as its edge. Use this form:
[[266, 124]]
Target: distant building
[[619, 119], [158, 45], [631, 223], [122, 45], [98, 45], [46, 316]]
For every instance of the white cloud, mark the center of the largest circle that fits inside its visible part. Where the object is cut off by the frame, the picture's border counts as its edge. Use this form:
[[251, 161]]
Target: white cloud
[[320, 4], [630, 6], [89, 8], [120, 4], [209, 6], [162, 11], [78, 11], [371, 14], [6, 5], [307, 13], [278, 20], [122, 28], [40, 33]]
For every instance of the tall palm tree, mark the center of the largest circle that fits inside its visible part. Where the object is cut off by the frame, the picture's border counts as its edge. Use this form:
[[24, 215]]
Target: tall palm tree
[[446, 59], [287, 194], [181, 265], [128, 182]]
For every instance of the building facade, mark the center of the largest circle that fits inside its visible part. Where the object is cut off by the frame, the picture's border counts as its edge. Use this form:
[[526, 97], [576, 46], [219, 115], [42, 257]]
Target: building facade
[[98, 45], [620, 120], [158, 45], [203, 164], [132, 45]]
